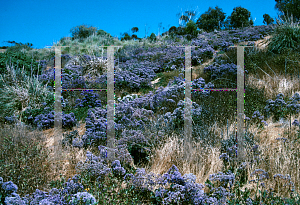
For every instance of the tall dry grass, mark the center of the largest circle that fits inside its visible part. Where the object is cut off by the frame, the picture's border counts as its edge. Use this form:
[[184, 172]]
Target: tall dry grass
[[63, 163], [275, 84], [203, 160]]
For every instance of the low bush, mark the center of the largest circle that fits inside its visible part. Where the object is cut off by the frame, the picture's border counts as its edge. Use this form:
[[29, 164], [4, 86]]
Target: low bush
[[286, 37]]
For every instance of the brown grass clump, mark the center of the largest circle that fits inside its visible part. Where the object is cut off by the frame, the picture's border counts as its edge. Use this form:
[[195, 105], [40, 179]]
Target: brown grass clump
[[275, 84], [203, 160], [24, 158], [64, 162]]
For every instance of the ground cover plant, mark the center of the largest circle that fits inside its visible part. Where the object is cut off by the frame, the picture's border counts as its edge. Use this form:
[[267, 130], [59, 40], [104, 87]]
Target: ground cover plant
[[149, 123]]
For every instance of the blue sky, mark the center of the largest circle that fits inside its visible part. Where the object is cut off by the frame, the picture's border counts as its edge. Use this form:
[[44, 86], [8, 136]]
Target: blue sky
[[43, 22]]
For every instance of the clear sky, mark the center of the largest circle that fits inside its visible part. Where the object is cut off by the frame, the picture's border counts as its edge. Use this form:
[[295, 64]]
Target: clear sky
[[42, 22]]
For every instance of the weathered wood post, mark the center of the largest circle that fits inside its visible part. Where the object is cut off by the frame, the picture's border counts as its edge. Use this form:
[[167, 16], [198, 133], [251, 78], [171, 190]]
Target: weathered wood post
[[110, 104], [188, 105]]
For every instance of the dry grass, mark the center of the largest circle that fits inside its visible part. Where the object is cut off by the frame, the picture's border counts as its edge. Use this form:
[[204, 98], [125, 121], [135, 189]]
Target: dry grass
[[64, 162], [203, 160], [275, 84], [276, 156]]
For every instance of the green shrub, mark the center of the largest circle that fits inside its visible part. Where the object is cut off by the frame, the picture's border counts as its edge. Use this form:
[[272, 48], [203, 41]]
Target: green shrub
[[191, 28], [82, 31], [286, 37], [152, 37], [19, 91], [19, 59]]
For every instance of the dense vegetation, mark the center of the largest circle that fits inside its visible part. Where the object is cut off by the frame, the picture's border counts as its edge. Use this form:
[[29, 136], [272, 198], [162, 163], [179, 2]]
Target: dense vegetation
[[149, 117]]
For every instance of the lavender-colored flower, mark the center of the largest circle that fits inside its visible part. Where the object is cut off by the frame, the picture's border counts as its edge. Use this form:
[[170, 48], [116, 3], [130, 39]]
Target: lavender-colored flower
[[84, 198], [46, 202], [225, 156], [262, 174], [77, 143], [263, 121], [9, 187], [14, 200], [117, 169], [295, 123]]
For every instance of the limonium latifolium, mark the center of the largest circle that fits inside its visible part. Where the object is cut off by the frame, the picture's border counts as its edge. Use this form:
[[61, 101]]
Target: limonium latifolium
[[83, 198]]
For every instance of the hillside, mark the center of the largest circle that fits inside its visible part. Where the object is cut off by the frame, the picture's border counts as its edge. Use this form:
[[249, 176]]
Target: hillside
[[149, 167]]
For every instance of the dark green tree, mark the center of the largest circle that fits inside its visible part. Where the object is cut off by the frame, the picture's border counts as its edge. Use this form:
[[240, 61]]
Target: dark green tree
[[211, 19], [172, 29], [125, 37], [240, 17], [101, 32], [135, 37], [268, 19], [288, 8], [135, 29], [152, 37], [82, 31], [191, 29]]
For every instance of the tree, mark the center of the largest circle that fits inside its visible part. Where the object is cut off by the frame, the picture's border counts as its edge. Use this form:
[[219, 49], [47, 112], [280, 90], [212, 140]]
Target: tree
[[211, 19], [240, 17], [288, 8], [101, 32], [186, 17], [125, 37], [135, 37], [135, 29], [152, 37], [172, 29], [82, 31], [268, 19], [191, 28]]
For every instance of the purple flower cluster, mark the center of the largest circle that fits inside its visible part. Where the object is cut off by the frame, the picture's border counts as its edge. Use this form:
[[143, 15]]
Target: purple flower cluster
[[117, 169], [63, 196], [257, 117], [160, 59], [295, 123], [287, 181], [95, 168], [172, 187], [200, 55], [130, 81], [72, 77], [95, 127], [223, 39], [83, 198], [46, 120], [280, 108], [126, 116], [47, 77], [293, 105], [228, 70], [42, 64], [90, 100], [12, 119], [8, 193], [260, 175]]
